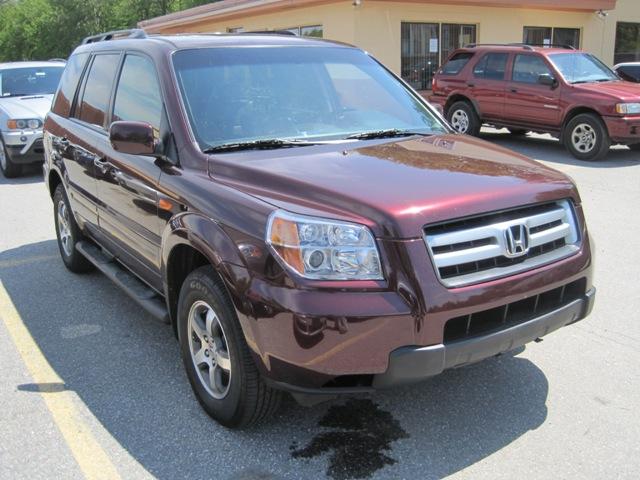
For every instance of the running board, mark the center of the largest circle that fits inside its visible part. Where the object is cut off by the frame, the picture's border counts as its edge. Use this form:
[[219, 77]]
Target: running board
[[145, 296]]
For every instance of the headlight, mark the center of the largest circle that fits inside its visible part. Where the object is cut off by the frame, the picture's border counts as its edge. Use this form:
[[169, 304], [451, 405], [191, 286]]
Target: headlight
[[322, 249], [21, 124], [627, 108]]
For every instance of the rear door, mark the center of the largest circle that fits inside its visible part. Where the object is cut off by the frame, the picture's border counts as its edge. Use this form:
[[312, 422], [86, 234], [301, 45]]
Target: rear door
[[487, 84], [127, 184], [528, 101]]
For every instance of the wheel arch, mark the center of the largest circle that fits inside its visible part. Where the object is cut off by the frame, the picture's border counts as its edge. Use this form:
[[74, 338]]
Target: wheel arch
[[459, 97], [54, 179], [579, 110], [191, 241]]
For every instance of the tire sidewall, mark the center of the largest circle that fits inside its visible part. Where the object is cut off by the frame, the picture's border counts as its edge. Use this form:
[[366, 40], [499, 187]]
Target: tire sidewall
[[602, 137], [60, 195], [200, 286]]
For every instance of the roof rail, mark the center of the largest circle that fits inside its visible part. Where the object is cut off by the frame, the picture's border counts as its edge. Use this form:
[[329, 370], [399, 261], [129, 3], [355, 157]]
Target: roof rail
[[115, 35], [63, 60], [267, 32], [526, 46]]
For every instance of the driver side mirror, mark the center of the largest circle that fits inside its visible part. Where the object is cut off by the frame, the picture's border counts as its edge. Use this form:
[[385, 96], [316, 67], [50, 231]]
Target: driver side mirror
[[548, 80], [134, 138]]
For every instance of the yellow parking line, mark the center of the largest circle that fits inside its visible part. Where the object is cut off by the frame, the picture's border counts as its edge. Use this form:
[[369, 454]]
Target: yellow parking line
[[91, 458]]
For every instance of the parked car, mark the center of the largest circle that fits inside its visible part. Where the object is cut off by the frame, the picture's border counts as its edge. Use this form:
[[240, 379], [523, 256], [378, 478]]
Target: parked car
[[567, 93], [304, 220], [26, 90], [628, 71]]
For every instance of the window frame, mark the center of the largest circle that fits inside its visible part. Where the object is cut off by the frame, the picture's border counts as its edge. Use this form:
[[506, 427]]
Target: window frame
[[76, 90], [552, 70], [553, 33], [451, 58], [486, 56], [617, 53]]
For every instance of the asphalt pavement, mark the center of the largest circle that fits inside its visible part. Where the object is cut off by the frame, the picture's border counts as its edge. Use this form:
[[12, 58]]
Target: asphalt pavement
[[91, 386]]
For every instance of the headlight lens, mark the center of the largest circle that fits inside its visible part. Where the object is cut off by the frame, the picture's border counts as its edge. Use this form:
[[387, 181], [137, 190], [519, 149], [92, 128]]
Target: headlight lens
[[21, 124], [628, 108], [322, 249]]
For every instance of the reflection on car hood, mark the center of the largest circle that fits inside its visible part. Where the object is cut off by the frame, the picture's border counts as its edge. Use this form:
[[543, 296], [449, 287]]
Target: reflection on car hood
[[398, 186], [30, 106], [620, 90]]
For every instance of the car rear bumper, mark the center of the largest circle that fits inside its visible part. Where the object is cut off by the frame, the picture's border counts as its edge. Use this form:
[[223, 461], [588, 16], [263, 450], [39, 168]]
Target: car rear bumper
[[624, 129], [413, 364], [24, 146]]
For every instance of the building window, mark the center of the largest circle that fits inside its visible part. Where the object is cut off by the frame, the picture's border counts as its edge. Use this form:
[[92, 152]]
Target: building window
[[422, 52], [627, 47], [315, 31], [550, 35]]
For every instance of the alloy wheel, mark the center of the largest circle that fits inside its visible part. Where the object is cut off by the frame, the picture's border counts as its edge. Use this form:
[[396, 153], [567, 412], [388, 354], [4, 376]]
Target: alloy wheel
[[584, 138], [460, 121], [209, 349], [64, 228]]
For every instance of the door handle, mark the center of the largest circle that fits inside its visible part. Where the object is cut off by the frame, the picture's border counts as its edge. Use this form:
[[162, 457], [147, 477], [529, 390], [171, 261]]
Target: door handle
[[101, 164], [61, 143], [514, 90], [471, 85]]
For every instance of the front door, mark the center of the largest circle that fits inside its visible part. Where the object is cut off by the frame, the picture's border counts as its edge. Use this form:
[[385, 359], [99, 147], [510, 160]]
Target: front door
[[127, 184], [529, 102]]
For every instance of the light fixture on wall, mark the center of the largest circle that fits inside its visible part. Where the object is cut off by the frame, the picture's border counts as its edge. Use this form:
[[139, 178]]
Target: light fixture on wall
[[602, 14]]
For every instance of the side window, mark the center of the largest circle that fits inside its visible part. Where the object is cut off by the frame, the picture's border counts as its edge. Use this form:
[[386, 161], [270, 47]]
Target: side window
[[527, 68], [95, 99], [138, 96], [69, 84], [456, 63], [492, 66]]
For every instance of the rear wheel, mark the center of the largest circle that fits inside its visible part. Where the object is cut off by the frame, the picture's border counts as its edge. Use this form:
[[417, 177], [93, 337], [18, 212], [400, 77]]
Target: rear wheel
[[68, 233], [463, 118], [219, 365], [9, 169], [586, 137]]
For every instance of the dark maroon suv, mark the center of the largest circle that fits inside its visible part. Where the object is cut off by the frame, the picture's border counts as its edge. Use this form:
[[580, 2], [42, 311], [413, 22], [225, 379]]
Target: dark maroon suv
[[304, 220], [567, 93]]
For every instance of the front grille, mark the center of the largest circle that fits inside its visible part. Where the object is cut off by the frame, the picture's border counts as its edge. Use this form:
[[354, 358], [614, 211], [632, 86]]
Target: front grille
[[495, 245], [505, 316]]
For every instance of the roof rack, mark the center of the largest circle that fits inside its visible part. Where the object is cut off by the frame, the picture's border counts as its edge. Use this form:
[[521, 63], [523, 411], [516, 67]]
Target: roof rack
[[526, 46], [63, 60], [116, 35]]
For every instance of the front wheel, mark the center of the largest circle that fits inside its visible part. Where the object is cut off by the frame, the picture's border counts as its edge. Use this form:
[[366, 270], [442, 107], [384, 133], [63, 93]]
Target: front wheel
[[586, 137], [219, 365], [463, 118], [9, 169], [635, 147]]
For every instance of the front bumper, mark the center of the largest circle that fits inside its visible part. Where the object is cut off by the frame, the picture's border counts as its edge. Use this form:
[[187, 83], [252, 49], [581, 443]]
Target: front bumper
[[624, 129], [413, 364], [24, 146]]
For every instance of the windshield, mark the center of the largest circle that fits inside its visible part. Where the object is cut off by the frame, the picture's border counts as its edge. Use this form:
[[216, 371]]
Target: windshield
[[29, 81], [581, 68], [295, 93]]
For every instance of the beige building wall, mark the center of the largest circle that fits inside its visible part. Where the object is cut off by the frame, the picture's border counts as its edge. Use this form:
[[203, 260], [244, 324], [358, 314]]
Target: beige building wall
[[375, 25]]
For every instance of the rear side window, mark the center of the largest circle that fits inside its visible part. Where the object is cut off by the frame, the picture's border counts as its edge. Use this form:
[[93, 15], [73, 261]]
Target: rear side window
[[456, 63], [138, 96], [69, 84], [95, 99], [527, 68], [492, 66]]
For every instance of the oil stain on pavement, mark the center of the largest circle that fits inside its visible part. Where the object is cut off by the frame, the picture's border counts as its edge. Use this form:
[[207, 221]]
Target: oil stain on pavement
[[359, 440]]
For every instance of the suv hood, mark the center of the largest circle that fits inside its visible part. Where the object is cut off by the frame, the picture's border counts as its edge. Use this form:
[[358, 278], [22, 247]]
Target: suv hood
[[394, 187], [620, 90], [30, 106]]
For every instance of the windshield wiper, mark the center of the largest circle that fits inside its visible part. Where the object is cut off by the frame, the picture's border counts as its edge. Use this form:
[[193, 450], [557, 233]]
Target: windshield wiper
[[272, 143], [389, 133]]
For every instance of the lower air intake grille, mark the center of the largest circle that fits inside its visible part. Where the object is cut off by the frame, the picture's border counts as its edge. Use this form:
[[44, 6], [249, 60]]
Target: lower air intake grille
[[487, 321]]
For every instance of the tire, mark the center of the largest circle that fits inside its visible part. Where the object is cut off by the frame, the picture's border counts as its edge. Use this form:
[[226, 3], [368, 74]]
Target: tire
[[210, 336], [9, 169], [586, 137], [518, 131], [463, 118], [68, 233], [635, 147]]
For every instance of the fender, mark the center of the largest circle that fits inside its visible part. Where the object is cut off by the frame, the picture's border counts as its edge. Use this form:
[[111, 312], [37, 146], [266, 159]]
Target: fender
[[474, 103]]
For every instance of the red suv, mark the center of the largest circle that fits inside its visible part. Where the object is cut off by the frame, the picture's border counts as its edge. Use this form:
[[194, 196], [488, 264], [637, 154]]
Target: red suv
[[567, 93]]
